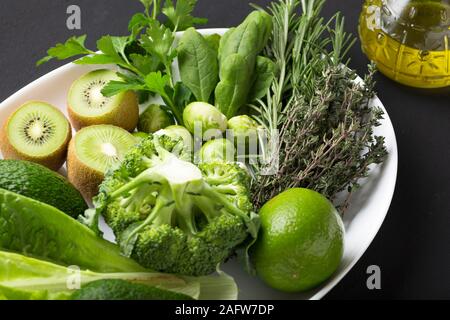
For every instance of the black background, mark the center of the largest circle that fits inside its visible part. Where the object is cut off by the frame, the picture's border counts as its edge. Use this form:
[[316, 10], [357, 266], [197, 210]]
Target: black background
[[413, 246]]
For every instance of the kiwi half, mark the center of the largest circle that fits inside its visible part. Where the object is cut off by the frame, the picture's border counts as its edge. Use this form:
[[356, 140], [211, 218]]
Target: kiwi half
[[93, 151], [36, 132], [87, 105]]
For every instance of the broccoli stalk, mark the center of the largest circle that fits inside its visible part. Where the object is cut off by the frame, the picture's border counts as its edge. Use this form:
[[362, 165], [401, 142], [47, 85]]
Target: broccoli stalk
[[173, 216]]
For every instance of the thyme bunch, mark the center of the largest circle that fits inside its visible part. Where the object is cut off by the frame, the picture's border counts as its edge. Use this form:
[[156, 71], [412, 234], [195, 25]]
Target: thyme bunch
[[318, 109]]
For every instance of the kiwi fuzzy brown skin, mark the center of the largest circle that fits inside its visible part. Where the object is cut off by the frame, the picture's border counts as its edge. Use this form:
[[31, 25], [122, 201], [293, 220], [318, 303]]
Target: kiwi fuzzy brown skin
[[125, 116], [53, 161], [84, 178]]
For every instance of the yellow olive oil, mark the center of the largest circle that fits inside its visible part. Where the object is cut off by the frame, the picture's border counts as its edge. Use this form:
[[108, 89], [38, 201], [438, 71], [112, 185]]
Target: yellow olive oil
[[408, 40]]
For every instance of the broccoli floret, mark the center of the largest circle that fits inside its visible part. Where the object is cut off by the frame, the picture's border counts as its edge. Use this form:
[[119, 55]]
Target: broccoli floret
[[159, 247], [173, 216]]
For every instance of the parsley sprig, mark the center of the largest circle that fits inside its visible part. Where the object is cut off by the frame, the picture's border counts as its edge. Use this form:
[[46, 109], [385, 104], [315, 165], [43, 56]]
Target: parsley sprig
[[145, 56]]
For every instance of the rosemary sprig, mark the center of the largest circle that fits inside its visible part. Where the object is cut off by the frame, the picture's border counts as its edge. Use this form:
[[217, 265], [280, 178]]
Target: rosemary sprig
[[269, 112], [320, 113]]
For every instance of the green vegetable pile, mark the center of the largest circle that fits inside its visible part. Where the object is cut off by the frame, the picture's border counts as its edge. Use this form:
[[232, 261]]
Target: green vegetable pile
[[183, 199]]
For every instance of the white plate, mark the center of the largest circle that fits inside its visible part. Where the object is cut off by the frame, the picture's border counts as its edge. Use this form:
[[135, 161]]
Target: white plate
[[363, 220]]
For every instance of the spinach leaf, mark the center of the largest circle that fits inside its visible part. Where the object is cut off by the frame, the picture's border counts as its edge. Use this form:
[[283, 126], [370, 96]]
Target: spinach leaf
[[239, 48], [182, 96], [264, 74], [214, 42], [243, 40], [248, 39], [232, 91], [198, 64]]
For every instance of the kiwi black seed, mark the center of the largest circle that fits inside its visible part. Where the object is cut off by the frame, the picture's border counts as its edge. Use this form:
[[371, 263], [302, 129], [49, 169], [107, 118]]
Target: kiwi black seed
[[88, 106], [37, 132]]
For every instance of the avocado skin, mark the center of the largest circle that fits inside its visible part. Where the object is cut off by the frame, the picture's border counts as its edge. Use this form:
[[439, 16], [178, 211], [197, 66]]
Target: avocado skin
[[115, 289], [39, 183]]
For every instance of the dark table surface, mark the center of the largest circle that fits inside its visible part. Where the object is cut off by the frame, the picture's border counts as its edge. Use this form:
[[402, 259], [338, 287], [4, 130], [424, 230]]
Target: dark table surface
[[412, 247]]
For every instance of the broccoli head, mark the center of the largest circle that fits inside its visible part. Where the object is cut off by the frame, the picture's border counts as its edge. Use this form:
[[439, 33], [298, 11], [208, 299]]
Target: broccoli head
[[173, 216]]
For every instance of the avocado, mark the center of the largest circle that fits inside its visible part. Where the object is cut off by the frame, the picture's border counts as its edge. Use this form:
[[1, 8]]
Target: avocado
[[37, 182], [115, 289]]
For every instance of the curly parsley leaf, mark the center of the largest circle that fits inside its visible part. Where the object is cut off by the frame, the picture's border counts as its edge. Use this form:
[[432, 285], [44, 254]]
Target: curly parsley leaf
[[113, 46], [115, 87], [158, 41], [144, 63], [112, 52], [180, 16], [129, 82], [137, 23], [97, 59], [71, 48], [147, 4], [175, 97], [156, 82]]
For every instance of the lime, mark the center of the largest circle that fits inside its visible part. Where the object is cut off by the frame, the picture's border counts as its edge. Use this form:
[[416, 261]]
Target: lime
[[301, 241]]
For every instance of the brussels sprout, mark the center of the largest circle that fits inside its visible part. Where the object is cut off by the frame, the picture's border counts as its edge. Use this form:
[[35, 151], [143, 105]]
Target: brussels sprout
[[205, 119], [179, 132], [217, 149], [243, 127], [155, 118], [244, 131]]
